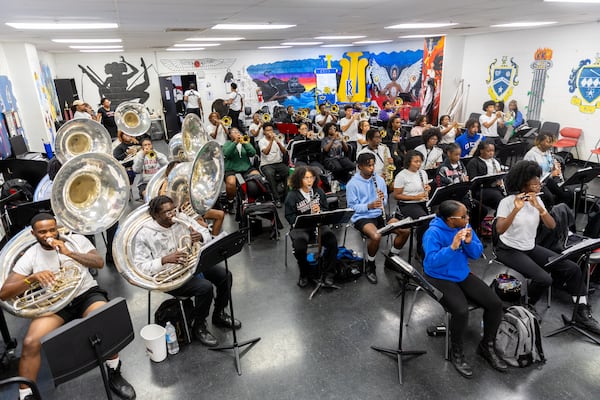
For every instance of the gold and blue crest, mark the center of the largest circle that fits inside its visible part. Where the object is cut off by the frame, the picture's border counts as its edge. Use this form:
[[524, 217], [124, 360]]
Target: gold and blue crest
[[502, 79], [584, 81]]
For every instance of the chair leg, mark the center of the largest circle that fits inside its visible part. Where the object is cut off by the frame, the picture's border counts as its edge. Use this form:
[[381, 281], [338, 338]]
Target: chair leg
[[447, 339], [549, 298], [365, 254], [188, 337], [149, 304], [286, 249]]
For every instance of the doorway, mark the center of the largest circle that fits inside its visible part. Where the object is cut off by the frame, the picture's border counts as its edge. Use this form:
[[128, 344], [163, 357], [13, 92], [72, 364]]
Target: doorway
[[172, 89]]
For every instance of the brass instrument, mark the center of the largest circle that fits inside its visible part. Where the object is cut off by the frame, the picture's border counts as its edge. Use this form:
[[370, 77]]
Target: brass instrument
[[132, 118], [176, 149], [364, 115], [154, 184], [266, 118], [383, 133], [81, 136], [193, 135], [43, 189], [334, 109], [372, 110], [388, 168], [345, 138], [226, 121], [131, 154], [398, 102], [508, 117], [280, 137], [321, 135], [397, 135], [245, 139]]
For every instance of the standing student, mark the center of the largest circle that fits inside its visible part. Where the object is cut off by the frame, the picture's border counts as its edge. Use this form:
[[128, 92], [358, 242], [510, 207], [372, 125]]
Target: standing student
[[191, 97], [236, 104]]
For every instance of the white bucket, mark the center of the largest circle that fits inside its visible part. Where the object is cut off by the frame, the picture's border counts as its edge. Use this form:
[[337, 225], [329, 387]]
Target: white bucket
[[155, 342]]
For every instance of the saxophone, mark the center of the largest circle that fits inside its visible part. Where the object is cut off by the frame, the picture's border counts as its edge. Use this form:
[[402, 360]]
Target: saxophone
[[388, 167]]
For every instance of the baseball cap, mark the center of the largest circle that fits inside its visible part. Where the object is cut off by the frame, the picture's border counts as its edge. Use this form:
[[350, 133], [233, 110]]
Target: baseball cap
[[78, 103]]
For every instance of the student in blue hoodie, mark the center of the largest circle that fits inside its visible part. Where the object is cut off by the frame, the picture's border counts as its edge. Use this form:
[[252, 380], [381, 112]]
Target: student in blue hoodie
[[366, 194], [449, 243]]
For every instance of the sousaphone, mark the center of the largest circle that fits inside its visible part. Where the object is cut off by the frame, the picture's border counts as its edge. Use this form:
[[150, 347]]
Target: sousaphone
[[132, 118], [193, 135], [81, 136]]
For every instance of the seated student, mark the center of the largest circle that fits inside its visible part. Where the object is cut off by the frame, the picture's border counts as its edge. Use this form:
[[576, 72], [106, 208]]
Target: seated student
[[380, 151], [307, 198], [291, 117], [387, 112], [324, 117], [448, 129], [482, 164], [147, 162], [420, 125], [449, 243], [490, 121], [518, 116], [256, 128], [368, 199], [272, 152], [519, 215], [336, 150], [305, 133], [237, 161], [394, 137], [469, 140], [363, 128], [216, 129], [128, 147], [432, 154], [453, 171]]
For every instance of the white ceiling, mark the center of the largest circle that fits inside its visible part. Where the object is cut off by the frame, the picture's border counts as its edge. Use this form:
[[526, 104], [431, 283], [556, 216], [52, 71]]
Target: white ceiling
[[143, 24]]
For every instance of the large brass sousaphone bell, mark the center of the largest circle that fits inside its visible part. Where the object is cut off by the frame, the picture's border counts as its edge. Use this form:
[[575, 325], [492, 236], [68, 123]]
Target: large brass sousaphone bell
[[132, 118], [81, 136], [193, 135]]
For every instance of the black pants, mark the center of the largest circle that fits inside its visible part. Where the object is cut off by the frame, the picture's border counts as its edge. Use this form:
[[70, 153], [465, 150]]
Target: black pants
[[340, 168], [270, 171], [301, 238], [235, 120], [201, 288], [457, 296], [490, 196], [193, 111], [531, 265], [558, 194], [415, 210]]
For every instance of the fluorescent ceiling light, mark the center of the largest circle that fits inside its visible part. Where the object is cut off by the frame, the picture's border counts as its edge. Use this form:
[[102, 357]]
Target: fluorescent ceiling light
[[274, 47], [116, 46], [301, 43], [421, 36], [373, 41], [341, 37], [102, 51], [196, 44], [338, 45], [61, 25], [523, 24], [185, 48], [87, 40], [252, 26], [214, 39], [421, 25], [573, 1]]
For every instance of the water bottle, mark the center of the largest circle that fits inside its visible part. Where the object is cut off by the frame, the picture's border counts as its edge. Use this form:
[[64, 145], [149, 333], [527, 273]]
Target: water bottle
[[48, 149], [172, 344]]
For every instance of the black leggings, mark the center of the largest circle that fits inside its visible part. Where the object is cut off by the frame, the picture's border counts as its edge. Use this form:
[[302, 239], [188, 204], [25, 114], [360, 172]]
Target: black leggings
[[531, 264], [457, 296], [300, 239]]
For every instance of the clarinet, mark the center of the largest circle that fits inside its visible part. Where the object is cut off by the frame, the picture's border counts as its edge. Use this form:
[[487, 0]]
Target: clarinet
[[425, 190], [374, 179], [501, 185]]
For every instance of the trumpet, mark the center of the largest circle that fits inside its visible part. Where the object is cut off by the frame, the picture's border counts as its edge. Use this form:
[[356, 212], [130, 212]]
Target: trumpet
[[302, 114], [320, 135], [371, 110], [266, 118], [345, 138], [398, 102], [130, 154], [226, 121], [364, 115], [382, 133], [334, 109], [245, 139], [280, 137], [152, 154]]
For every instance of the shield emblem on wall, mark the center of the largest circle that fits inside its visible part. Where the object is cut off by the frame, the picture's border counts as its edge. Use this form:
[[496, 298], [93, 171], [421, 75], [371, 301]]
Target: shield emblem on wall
[[588, 82], [501, 79]]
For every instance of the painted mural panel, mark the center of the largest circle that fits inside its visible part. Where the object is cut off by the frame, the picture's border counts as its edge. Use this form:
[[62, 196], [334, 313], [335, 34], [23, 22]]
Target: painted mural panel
[[542, 62], [584, 83], [10, 118], [431, 80]]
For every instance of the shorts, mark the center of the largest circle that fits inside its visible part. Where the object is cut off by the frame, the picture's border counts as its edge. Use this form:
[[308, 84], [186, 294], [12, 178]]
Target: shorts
[[378, 222], [79, 304], [244, 173]]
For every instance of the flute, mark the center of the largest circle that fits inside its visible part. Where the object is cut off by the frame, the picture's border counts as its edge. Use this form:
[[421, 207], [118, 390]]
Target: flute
[[374, 178]]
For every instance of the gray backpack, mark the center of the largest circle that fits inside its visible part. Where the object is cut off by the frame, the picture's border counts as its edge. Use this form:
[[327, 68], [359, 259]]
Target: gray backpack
[[518, 340]]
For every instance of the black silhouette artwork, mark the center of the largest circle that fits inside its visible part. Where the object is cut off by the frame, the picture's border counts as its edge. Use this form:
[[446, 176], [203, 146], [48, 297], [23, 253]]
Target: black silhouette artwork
[[120, 83]]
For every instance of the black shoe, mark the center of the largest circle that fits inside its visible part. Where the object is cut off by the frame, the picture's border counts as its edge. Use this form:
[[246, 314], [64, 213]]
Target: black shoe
[[487, 350], [303, 282], [584, 319], [29, 397], [457, 357], [223, 320], [328, 279], [118, 384], [201, 334], [371, 274]]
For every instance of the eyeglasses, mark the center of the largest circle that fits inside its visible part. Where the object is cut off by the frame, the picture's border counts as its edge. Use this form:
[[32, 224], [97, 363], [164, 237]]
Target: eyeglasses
[[466, 216]]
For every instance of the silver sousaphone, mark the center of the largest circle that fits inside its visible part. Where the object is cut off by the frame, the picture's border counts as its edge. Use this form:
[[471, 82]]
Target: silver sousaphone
[[81, 136], [193, 135], [132, 118]]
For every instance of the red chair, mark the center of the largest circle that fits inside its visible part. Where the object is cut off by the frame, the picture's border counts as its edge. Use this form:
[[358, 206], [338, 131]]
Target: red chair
[[568, 139], [595, 151]]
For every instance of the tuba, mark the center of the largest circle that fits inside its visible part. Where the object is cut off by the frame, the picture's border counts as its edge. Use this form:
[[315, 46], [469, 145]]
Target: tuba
[[176, 149], [155, 183], [81, 136], [43, 189], [132, 118], [193, 135]]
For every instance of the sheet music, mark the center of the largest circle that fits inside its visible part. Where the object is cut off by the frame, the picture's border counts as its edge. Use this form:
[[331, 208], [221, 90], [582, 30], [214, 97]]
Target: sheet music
[[400, 224]]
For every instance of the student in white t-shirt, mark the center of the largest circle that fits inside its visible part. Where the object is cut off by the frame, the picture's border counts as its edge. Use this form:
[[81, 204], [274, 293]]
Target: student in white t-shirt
[[449, 129], [256, 128], [216, 129], [191, 97], [490, 120], [432, 154], [323, 117]]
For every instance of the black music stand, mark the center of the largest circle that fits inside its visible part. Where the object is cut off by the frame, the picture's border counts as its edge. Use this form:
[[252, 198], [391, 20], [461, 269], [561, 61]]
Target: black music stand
[[455, 191], [408, 273], [583, 250], [212, 254], [310, 221], [406, 223], [305, 150], [580, 178], [89, 342]]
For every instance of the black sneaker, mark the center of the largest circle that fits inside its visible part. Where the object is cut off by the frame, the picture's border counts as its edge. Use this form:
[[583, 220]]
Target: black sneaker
[[118, 384], [224, 320], [584, 319], [201, 333], [457, 358], [371, 272]]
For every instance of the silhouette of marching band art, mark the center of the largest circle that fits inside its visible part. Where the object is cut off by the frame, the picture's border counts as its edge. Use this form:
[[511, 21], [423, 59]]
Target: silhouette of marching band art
[[121, 82]]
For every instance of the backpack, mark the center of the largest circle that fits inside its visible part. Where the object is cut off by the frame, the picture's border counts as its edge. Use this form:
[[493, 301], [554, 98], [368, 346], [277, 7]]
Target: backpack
[[518, 340], [348, 265], [169, 310]]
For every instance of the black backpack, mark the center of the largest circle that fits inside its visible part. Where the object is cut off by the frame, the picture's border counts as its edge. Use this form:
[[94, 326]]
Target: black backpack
[[170, 311]]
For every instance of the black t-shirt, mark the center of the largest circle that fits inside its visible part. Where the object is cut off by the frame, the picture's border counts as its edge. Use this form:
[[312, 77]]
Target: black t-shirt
[[108, 120]]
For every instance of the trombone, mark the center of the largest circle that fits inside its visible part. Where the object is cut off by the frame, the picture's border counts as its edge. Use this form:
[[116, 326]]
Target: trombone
[[226, 121], [303, 114]]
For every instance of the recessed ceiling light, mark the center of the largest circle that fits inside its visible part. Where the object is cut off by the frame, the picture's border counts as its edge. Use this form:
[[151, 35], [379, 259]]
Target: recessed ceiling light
[[522, 24], [61, 25], [214, 39], [341, 37], [185, 48], [573, 1], [87, 40], [116, 46], [274, 47], [196, 44], [102, 51], [301, 43], [373, 41], [338, 45], [421, 36], [421, 25], [252, 26]]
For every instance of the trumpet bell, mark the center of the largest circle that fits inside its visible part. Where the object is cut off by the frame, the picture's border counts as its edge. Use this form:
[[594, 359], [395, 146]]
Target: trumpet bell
[[81, 136], [398, 102], [245, 139], [193, 135], [226, 120], [132, 118], [334, 108], [90, 193], [266, 118], [206, 177]]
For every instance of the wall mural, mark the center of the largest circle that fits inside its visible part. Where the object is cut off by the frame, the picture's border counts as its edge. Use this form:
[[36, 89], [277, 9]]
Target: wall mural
[[50, 91], [542, 62], [8, 106], [46, 105], [584, 82], [431, 80], [502, 79], [122, 81]]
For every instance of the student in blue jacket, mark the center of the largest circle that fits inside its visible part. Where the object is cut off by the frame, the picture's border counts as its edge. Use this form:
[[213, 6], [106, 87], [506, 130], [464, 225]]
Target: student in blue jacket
[[449, 243]]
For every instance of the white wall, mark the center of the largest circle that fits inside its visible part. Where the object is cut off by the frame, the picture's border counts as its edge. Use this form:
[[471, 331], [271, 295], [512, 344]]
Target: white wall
[[452, 73], [570, 44]]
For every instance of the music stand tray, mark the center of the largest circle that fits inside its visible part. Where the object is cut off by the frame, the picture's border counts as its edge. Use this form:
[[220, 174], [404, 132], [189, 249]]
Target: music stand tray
[[304, 149], [213, 253], [89, 342], [406, 223], [479, 181], [456, 191], [582, 249], [582, 176]]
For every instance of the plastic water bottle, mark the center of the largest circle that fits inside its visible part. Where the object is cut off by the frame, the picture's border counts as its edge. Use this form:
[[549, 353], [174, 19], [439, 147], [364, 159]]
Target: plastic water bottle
[[172, 344]]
